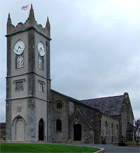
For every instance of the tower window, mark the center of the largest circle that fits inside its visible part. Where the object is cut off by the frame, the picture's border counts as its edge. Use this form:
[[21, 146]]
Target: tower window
[[58, 125], [19, 86], [41, 62], [41, 86]]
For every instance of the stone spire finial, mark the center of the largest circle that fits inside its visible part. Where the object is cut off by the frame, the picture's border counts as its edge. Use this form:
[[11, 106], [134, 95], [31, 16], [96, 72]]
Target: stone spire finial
[[9, 24], [48, 26], [126, 95], [9, 19], [31, 17]]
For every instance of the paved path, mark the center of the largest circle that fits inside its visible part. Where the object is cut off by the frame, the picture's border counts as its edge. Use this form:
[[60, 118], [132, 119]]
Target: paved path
[[116, 149]]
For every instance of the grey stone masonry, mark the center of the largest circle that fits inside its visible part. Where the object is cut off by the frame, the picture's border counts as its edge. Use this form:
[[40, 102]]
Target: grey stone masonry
[[25, 108], [88, 118], [30, 22]]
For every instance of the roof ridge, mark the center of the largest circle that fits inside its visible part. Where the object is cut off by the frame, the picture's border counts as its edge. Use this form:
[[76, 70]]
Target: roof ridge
[[102, 97], [74, 100], [64, 95]]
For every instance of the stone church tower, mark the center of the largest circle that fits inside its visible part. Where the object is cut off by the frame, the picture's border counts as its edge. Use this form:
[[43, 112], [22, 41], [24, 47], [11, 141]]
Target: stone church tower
[[28, 80], [35, 112]]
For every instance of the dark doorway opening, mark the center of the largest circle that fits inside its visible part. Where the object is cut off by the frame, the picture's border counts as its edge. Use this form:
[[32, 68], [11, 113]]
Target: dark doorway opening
[[41, 130], [77, 132]]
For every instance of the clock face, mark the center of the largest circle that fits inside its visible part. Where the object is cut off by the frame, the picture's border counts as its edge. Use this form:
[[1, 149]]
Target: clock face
[[19, 47], [41, 49]]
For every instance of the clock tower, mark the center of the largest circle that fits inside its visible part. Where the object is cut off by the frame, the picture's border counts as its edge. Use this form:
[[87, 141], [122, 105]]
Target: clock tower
[[28, 80]]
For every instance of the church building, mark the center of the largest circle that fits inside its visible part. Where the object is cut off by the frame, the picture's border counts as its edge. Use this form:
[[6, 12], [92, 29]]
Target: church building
[[35, 112]]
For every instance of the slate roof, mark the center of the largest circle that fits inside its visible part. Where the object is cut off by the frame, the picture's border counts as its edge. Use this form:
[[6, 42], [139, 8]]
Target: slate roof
[[107, 105]]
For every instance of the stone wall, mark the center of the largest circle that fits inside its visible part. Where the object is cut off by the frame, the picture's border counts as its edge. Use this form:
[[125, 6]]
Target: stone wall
[[109, 129], [125, 119], [73, 113], [59, 113], [90, 120], [95, 126]]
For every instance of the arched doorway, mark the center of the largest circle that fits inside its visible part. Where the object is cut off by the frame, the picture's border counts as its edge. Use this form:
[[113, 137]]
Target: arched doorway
[[20, 129], [77, 132], [41, 130]]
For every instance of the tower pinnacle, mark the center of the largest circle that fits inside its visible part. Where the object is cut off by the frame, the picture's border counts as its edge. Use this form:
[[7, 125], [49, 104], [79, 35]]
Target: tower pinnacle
[[31, 17], [48, 26], [9, 19], [9, 23]]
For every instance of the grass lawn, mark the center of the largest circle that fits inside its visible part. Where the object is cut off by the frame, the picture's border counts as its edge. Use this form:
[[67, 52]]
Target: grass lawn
[[39, 148], [132, 143]]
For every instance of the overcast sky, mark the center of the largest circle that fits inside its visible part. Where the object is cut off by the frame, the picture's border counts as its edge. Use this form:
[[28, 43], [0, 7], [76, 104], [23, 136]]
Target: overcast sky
[[95, 47]]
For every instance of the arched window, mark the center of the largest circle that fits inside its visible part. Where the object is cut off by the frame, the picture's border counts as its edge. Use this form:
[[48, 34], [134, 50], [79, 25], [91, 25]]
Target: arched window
[[19, 61], [58, 125], [41, 62], [117, 130], [112, 129], [106, 128]]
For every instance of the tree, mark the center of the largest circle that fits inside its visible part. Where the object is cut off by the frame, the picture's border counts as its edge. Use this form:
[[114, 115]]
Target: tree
[[137, 124]]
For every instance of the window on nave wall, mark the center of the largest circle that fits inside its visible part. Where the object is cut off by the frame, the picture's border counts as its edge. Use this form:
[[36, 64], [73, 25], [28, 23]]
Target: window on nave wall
[[106, 128], [58, 125], [112, 129], [117, 130]]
